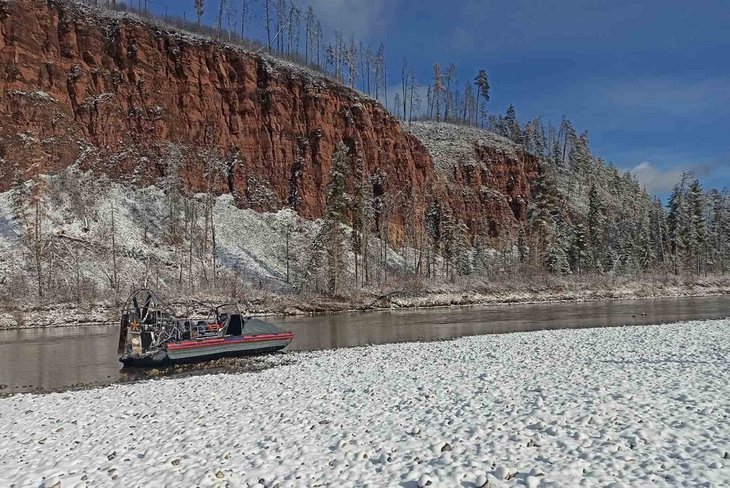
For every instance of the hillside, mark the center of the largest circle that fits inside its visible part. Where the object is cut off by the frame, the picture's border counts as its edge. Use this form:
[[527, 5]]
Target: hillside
[[110, 92], [133, 153]]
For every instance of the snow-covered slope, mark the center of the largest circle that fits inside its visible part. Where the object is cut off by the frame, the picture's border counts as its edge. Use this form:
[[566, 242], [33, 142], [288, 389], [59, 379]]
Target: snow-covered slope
[[76, 229]]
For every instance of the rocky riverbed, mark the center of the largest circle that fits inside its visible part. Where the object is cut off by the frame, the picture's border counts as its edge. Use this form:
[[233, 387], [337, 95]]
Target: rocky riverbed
[[631, 406]]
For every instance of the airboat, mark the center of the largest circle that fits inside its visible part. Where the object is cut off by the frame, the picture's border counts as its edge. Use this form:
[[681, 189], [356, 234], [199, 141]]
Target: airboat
[[151, 334]]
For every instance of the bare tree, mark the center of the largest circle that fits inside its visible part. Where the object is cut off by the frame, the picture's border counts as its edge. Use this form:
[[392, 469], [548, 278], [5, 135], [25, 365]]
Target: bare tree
[[245, 13], [352, 61], [115, 274], [368, 67], [413, 98], [199, 9], [222, 4], [320, 38], [404, 87], [438, 88], [310, 33], [281, 16], [448, 99], [379, 61], [267, 20]]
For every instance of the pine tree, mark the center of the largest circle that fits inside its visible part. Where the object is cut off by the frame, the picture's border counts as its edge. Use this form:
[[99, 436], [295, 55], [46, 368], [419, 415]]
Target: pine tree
[[658, 231], [578, 248], [433, 231], [568, 136], [719, 229], [522, 249], [698, 230], [462, 256], [330, 239], [645, 257], [596, 223], [542, 214], [482, 83], [510, 126], [556, 259], [580, 156], [679, 224]]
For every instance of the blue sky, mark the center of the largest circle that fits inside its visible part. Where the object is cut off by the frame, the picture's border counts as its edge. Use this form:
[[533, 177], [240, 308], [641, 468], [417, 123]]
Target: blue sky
[[649, 79]]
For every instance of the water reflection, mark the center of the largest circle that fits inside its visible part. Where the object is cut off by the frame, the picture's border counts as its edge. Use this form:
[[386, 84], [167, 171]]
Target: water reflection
[[47, 359]]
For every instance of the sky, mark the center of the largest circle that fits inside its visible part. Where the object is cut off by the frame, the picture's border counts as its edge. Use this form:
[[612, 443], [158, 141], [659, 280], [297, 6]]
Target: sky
[[649, 80]]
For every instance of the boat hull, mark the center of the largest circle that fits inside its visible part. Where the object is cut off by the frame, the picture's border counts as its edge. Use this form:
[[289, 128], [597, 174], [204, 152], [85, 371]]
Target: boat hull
[[207, 349]]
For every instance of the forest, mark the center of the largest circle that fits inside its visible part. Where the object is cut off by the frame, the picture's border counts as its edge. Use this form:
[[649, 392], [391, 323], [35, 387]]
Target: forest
[[586, 220]]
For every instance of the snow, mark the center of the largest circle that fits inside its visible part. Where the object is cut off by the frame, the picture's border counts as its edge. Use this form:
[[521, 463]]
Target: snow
[[454, 145], [273, 65], [249, 241], [632, 406]]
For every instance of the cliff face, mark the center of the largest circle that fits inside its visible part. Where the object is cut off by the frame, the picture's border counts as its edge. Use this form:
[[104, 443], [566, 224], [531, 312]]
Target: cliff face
[[71, 79], [488, 179], [114, 94]]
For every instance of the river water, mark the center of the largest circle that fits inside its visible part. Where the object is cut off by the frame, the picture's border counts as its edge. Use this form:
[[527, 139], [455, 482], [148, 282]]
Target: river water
[[59, 358]]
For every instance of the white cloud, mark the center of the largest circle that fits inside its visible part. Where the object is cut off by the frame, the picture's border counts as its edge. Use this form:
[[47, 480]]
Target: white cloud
[[672, 96], [658, 180], [363, 18]]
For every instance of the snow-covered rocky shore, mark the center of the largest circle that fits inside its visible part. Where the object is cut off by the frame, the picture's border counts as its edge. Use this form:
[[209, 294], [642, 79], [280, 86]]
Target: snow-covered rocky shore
[[633, 406]]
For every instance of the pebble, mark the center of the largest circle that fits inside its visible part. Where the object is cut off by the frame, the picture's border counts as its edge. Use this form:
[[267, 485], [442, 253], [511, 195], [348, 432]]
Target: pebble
[[52, 482], [424, 480], [503, 473], [532, 482]]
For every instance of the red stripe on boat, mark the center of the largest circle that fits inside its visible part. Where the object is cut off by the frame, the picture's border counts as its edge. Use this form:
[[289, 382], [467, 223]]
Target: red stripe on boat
[[222, 341]]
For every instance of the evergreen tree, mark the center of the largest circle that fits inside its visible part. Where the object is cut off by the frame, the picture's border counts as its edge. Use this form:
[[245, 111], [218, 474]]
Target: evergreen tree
[[433, 231], [719, 229], [578, 248], [658, 231], [522, 249], [698, 230], [510, 126], [542, 214], [461, 250], [645, 253], [556, 259], [679, 224], [327, 248], [580, 155], [596, 224], [482, 83]]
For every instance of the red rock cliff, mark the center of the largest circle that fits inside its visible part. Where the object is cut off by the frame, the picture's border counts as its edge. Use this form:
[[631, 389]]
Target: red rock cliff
[[112, 93], [71, 79]]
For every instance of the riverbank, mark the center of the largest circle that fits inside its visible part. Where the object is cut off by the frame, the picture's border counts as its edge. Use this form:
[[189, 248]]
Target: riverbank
[[631, 405], [543, 289]]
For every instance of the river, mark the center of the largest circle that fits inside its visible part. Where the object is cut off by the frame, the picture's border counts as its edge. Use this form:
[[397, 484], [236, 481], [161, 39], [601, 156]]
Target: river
[[60, 358]]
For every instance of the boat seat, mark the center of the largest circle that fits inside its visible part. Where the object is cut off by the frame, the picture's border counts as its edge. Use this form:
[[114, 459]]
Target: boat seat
[[235, 327]]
